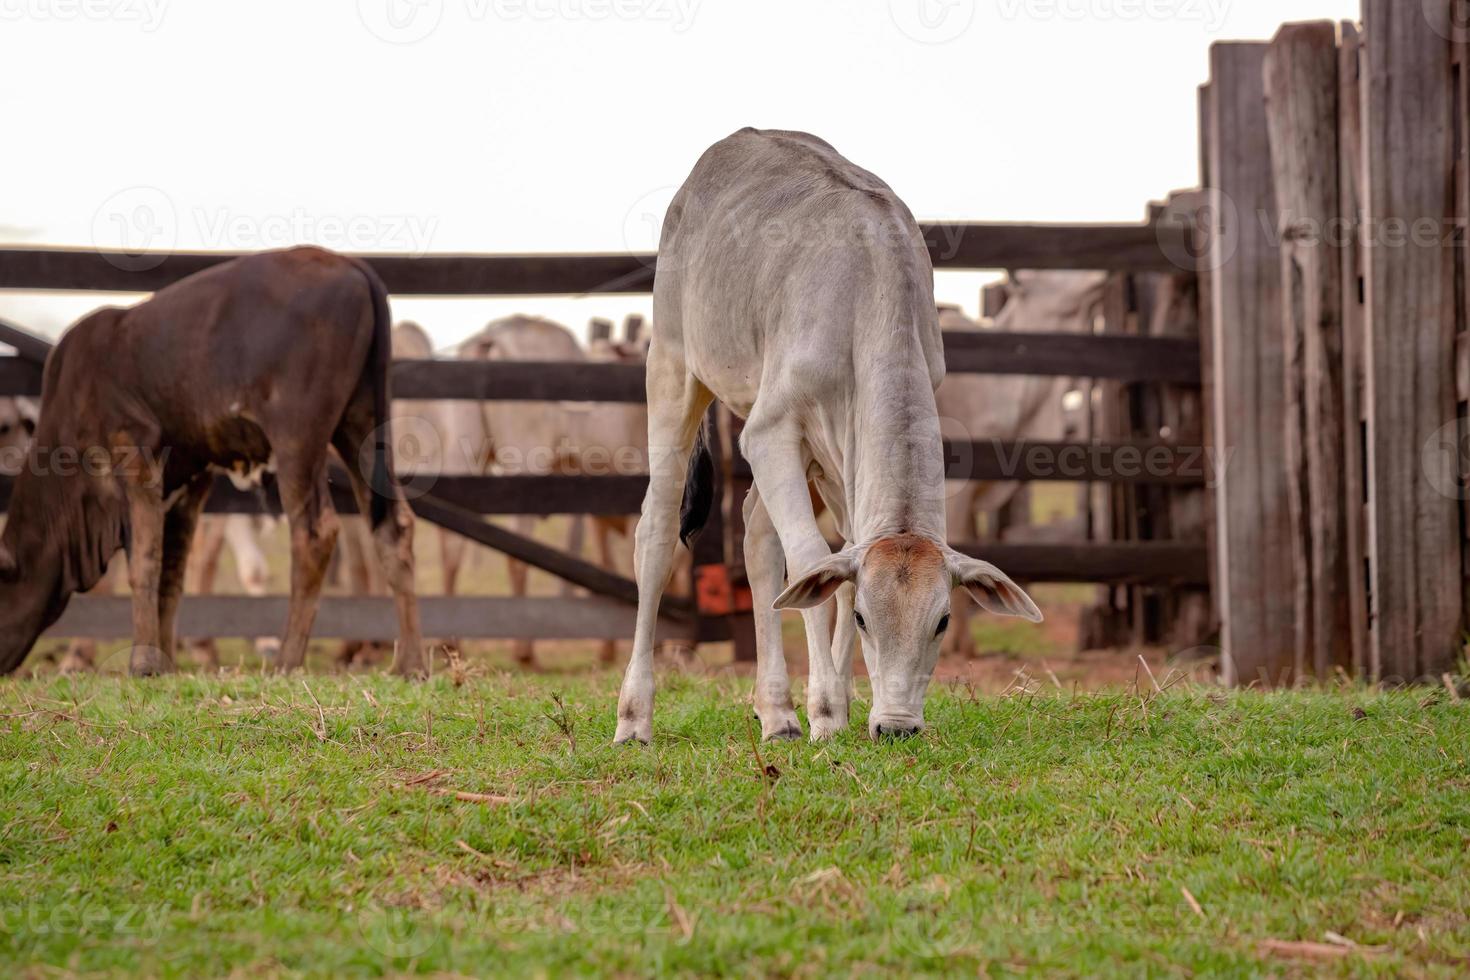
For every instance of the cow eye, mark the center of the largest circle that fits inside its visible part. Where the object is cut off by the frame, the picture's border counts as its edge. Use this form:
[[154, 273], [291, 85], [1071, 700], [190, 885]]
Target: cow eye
[[943, 625], [4, 428], [862, 624]]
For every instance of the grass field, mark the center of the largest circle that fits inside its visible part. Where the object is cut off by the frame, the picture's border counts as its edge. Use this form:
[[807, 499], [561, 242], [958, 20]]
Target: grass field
[[254, 826]]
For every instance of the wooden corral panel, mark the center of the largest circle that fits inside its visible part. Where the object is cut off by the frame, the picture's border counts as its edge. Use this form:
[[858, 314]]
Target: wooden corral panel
[[1255, 566], [1301, 99], [1414, 529]]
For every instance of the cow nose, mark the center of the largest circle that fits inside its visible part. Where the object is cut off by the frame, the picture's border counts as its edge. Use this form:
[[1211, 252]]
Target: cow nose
[[897, 729]]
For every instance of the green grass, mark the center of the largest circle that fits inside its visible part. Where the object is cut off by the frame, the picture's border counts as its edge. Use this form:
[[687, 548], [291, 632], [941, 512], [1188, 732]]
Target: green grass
[[254, 826]]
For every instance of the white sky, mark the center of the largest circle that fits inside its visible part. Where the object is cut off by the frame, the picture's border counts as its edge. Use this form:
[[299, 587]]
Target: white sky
[[565, 125]]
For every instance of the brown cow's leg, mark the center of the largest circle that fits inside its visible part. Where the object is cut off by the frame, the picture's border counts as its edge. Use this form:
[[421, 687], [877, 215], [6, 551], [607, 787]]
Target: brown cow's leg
[[451, 557], [314, 526], [178, 534], [145, 567], [394, 542]]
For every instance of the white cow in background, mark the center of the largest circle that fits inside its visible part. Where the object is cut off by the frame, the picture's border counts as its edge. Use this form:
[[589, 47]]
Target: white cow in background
[[980, 407], [17, 424]]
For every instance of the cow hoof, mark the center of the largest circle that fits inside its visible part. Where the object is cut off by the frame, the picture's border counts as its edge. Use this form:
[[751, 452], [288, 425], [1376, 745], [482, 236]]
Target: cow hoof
[[633, 732], [826, 728], [780, 726]]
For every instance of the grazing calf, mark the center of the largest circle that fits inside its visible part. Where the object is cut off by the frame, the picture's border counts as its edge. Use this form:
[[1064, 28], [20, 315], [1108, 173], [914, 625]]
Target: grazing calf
[[796, 288], [263, 362]]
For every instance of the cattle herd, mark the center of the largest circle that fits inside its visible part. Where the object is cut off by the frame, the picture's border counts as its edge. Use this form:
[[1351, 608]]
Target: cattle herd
[[825, 338]]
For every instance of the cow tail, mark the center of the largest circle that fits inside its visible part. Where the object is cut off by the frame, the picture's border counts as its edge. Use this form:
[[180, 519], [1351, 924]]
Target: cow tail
[[380, 361], [699, 491]]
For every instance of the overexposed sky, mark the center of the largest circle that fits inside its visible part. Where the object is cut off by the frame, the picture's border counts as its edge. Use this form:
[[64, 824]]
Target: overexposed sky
[[566, 125]]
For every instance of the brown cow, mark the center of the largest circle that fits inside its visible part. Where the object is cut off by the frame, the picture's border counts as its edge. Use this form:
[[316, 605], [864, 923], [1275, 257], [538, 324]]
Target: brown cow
[[263, 362]]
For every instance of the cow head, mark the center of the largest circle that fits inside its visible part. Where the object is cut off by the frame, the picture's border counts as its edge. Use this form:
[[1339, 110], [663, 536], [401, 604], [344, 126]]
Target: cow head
[[903, 584]]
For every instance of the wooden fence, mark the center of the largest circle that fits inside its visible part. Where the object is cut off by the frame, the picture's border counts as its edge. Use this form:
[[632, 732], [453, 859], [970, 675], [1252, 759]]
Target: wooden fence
[[1336, 162], [721, 608]]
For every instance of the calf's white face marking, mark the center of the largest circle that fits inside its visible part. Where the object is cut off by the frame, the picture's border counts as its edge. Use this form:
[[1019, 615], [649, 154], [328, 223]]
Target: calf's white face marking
[[903, 585]]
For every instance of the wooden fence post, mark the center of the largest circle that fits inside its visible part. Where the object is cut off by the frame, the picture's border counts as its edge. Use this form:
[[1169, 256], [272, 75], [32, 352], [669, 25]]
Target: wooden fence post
[[1256, 576], [1301, 103], [1350, 179], [1414, 529]]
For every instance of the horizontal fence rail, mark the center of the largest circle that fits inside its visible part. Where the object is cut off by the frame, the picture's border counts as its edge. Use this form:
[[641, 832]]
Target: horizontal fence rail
[[368, 618], [595, 618], [1168, 360], [611, 495], [952, 245]]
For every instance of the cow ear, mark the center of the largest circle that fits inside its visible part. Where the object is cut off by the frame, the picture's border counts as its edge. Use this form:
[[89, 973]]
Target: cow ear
[[819, 584], [991, 588]]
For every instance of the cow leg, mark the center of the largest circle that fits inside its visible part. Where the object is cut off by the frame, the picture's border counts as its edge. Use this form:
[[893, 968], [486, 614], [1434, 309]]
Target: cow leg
[[601, 530], [576, 538], [773, 446], [765, 566], [520, 573], [314, 526], [393, 540], [844, 637], [676, 404], [178, 534], [241, 534], [209, 544], [451, 557], [145, 568], [356, 559]]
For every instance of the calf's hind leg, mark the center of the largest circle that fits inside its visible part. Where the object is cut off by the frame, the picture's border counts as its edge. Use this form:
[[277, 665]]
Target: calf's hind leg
[[314, 526], [392, 537]]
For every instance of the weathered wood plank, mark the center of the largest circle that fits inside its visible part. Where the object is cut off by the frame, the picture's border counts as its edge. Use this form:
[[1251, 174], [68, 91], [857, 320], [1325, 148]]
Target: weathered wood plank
[[1354, 314], [1302, 116], [373, 619], [952, 245], [538, 555], [1414, 530], [27, 345], [615, 495], [1168, 360], [1255, 568], [1174, 563], [19, 376]]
